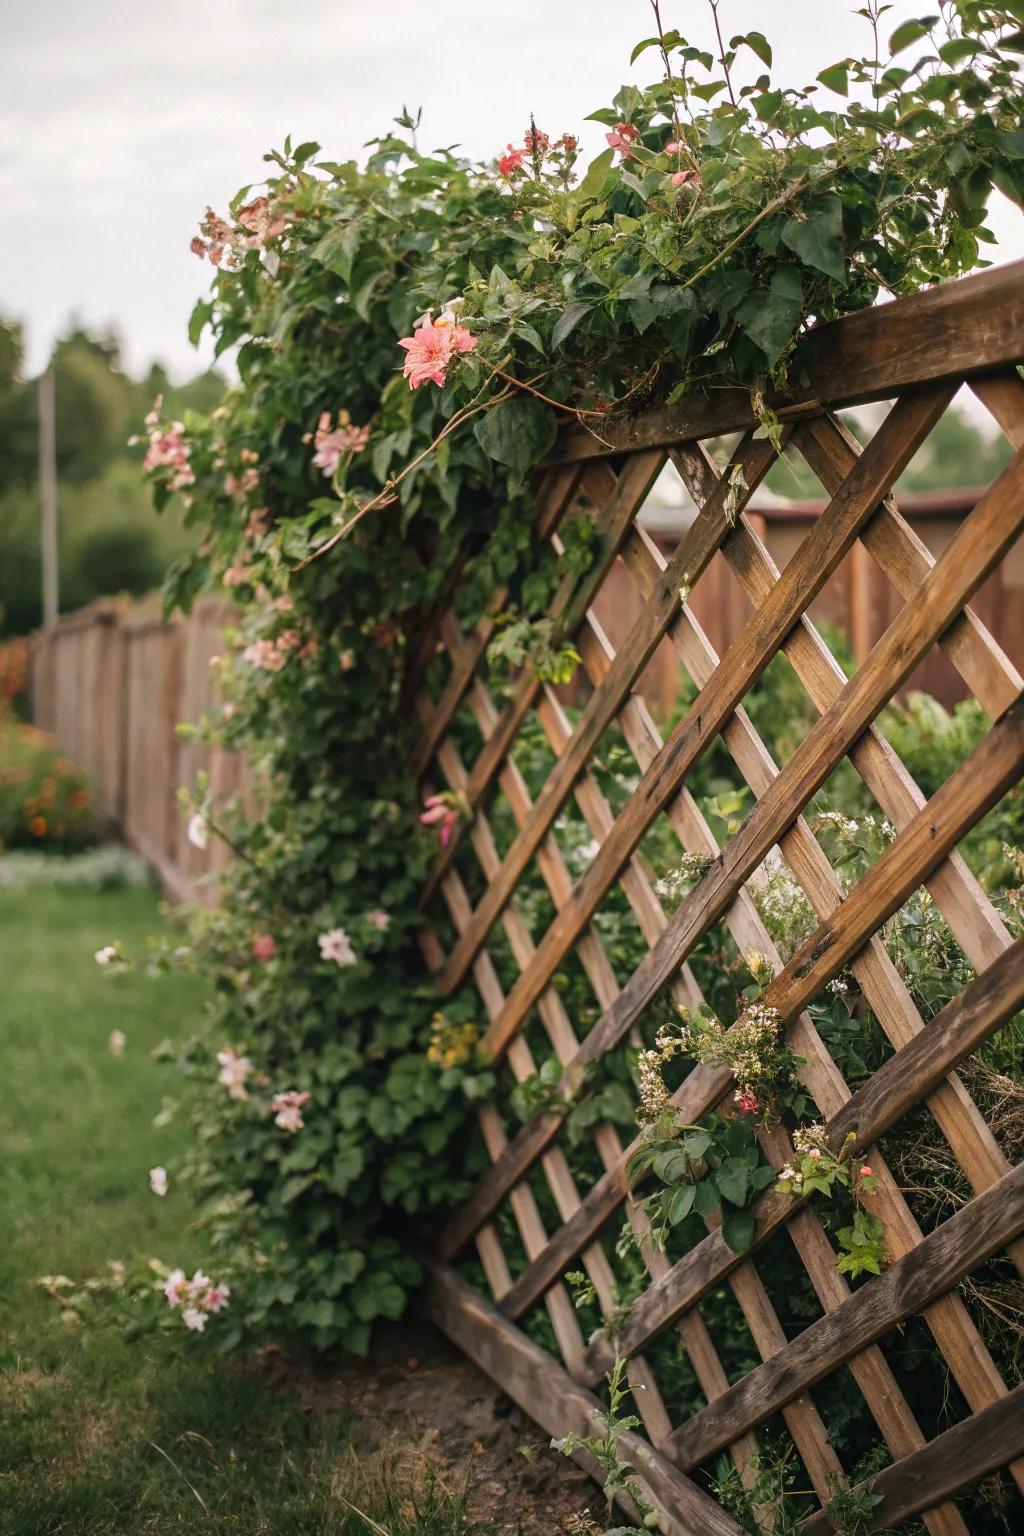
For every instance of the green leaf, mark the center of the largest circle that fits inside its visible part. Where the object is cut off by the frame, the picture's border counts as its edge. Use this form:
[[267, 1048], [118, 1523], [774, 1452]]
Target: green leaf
[[199, 320], [837, 77], [738, 1228], [648, 42], [671, 1166], [517, 433], [818, 238], [958, 49], [732, 1180], [680, 1203], [906, 34], [567, 322], [758, 43], [706, 1200], [771, 320], [596, 176]]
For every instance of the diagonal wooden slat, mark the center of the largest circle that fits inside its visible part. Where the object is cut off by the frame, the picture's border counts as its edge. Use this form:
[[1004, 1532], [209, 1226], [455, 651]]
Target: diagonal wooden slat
[[818, 556], [953, 1250]]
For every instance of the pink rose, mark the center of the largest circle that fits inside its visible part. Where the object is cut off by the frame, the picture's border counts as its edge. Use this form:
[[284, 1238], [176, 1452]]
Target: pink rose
[[264, 947]]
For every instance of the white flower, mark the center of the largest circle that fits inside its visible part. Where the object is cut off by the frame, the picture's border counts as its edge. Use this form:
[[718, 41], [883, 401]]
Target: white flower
[[380, 920], [158, 1181], [198, 831], [234, 1070], [116, 1042], [105, 955], [287, 1110], [175, 1287], [589, 851], [193, 1318], [337, 946]]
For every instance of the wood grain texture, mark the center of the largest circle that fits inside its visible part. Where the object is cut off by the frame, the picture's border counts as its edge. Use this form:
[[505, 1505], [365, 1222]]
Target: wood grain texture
[[550, 1397], [948, 1464], [953, 1250], [953, 331]]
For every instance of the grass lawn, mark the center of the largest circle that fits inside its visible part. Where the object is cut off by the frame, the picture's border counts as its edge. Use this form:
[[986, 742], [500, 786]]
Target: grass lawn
[[100, 1434]]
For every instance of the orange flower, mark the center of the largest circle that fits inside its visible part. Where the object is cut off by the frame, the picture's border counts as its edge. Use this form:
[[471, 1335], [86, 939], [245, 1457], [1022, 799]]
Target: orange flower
[[38, 826], [80, 800]]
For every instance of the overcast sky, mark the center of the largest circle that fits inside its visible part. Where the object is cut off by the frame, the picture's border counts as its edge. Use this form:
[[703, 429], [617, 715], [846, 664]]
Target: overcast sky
[[120, 122]]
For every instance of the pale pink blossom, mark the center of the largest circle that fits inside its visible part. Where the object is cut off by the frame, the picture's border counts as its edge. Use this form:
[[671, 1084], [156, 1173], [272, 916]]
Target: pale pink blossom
[[265, 654], [108, 955], [158, 1181], [258, 523], [287, 1110], [337, 946], [431, 347], [261, 222], [237, 575], [621, 138], [347, 660], [216, 1298], [215, 239], [685, 178], [241, 485], [116, 1042], [380, 919], [169, 450], [264, 947], [234, 1070], [674, 147], [746, 1102], [193, 1318], [332, 443], [865, 1172], [175, 1287], [814, 1154], [536, 140]]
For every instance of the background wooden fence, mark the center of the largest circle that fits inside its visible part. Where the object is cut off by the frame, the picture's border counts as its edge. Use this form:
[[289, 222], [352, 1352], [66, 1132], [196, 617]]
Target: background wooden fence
[[544, 1208], [111, 683]]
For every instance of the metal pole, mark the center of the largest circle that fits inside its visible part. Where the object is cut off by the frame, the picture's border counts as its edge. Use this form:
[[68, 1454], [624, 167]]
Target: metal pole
[[48, 495]]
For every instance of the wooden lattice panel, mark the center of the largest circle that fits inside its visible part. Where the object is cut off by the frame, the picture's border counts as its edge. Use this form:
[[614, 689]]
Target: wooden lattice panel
[[519, 910]]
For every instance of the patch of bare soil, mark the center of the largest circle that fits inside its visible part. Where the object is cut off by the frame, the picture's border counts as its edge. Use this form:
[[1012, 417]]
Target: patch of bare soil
[[419, 1408]]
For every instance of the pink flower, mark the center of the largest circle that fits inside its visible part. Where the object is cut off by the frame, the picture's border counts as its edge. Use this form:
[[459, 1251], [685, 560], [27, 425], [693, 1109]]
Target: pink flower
[[431, 346], [265, 654], [169, 450], [215, 237], [236, 575], [262, 225], [865, 1172], [814, 1154], [264, 947], [437, 812], [216, 1298], [535, 140], [380, 919], [746, 1102], [332, 444], [511, 161], [241, 485], [193, 1318], [621, 138], [158, 1181], [347, 661], [287, 1110], [234, 1070], [685, 178]]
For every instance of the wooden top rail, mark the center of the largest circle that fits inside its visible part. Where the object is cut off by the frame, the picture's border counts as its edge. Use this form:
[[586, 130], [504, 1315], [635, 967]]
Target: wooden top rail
[[957, 330]]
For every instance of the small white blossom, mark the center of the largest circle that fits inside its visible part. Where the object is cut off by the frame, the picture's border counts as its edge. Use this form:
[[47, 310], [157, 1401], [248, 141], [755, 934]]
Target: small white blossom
[[116, 1042], [198, 831], [107, 954], [337, 946], [193, 1318], [158, 1181]]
